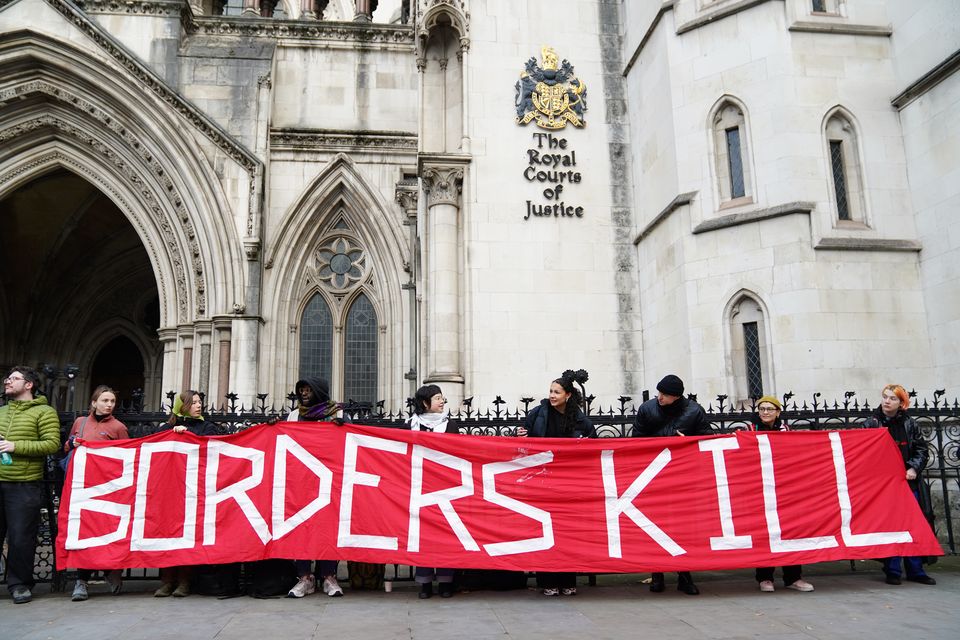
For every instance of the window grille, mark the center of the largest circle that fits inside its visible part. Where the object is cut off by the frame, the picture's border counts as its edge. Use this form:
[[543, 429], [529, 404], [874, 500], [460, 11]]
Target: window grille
[[839, 180], [735, 160], [316, 340], [751, 344], [360, 358]]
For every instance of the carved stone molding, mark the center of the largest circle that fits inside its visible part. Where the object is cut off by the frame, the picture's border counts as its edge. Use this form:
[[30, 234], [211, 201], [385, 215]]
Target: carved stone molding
[[318, 31], [132, 174], [442, 185], [435, 13], [320, 139], [407, 196], [167, 8]]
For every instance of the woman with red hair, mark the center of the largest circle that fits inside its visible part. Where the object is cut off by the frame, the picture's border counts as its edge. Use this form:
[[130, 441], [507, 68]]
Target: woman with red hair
[[892, 414]]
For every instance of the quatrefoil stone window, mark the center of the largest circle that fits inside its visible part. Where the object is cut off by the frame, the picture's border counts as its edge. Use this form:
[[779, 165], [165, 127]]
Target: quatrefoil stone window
[[340, 263]]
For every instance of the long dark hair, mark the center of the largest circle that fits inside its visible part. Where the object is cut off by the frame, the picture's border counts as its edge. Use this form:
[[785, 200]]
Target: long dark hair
[[186, 399], [421, 399], [572, 408]]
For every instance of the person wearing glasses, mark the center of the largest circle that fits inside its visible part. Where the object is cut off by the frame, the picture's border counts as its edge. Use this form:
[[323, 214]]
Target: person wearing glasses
[[430, 413], [29, 432], [767, 418]]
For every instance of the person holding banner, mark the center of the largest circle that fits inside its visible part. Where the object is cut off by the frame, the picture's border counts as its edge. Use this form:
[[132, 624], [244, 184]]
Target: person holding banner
[[98, 425], [430, 413], [670, 414], [559, 416], [314, 406], [892, 414], [187, 415], [767, 418]]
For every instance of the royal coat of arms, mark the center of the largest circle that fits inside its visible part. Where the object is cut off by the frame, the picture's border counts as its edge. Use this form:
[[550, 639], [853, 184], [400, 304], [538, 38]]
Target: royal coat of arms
[[550, 94]]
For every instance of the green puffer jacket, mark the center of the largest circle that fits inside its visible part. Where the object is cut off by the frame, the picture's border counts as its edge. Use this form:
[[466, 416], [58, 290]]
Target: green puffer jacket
[[34, 428]]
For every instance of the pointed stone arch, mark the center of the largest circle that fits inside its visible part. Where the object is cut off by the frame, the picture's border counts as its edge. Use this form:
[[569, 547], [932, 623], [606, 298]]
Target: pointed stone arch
[[61, 106], [338, 193], [746, 320]]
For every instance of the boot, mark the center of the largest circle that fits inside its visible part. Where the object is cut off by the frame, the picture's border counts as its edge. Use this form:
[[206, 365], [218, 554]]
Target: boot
[[685, 584], [446, 589], [656, 583], [426, 590]]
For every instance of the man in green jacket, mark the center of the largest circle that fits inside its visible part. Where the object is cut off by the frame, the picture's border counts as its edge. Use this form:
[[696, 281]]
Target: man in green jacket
[[29, 431]]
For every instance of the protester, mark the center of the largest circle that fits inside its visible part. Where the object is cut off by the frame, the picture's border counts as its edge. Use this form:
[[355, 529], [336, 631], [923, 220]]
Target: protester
[[314, 406], [29, 431], [670, 414], [892, 414], [99, 424], [767, 418], [187, 415], [430, 413], [559, 416]]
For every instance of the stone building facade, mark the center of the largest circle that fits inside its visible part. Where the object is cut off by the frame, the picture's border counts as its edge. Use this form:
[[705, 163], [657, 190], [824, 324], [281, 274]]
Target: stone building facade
[[230, 195]]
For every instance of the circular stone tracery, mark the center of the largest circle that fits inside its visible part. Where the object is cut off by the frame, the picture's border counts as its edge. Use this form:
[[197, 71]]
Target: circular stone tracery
[[340, 263]]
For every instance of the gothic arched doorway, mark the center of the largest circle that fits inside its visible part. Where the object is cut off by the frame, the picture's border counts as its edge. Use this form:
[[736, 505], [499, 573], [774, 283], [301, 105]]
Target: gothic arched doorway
[[74, 276]]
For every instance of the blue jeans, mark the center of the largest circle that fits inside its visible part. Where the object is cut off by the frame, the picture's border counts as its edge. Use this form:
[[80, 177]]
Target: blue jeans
[[914, 566], [20, 504]]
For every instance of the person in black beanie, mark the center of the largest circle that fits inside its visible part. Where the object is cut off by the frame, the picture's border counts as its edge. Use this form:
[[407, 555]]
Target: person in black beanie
[[670, 414]]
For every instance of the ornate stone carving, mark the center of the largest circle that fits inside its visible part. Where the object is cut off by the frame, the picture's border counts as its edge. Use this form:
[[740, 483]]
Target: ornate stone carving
[[134, 7], [335, 139], [443, 185], [407, 196], [335, 33]]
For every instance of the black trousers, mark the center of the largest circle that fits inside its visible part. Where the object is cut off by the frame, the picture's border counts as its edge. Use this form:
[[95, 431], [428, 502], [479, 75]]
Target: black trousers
[[790, 574], [20, 504], [550, 580]]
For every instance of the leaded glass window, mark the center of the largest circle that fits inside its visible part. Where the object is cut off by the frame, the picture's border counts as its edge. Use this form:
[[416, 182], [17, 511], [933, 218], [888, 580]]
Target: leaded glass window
[[316, 339], [839, 181], [820, 5], [360, 352], [735, 159], [751, 351]]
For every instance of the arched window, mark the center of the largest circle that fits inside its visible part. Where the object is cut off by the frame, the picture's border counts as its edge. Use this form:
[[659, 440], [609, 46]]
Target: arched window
[[339, 327], [749, 352], [731, 154], [843, 160], [316, 339], [360, 352]]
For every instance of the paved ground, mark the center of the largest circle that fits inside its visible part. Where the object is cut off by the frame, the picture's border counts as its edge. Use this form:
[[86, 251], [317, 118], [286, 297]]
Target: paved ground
[[845, 605]]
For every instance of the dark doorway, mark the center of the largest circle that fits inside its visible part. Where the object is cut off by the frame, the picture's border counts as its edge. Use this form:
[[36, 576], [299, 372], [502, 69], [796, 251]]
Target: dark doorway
[[119, 365]]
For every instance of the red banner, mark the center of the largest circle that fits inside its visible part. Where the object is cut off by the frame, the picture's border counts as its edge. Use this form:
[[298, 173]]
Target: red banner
[[297, 490]]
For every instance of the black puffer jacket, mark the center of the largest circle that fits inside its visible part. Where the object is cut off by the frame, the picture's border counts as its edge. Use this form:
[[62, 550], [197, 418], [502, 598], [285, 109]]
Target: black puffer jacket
[[196, 426], [683, 416], [905, 432], [536, 422]]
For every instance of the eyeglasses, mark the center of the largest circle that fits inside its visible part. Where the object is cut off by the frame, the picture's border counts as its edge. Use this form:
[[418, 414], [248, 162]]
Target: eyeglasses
[[12, 379], [767, 409]]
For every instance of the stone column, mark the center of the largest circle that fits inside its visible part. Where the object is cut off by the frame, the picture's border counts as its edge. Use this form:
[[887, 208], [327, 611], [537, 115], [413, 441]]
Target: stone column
[[442, 184], [221, 350], [408, 197], [251, 8], [185, 333], [244, 357], [365, 9], [169, 381], [308, 10]]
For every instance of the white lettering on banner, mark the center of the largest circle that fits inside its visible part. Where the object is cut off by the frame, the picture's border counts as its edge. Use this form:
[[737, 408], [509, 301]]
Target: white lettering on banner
[[237, 491], [846, 510], [777, 543], [87, 498], [729, 540], [138, 541], [285, 445], [351, 478], [444, 497], [527, 545], [617, 505]]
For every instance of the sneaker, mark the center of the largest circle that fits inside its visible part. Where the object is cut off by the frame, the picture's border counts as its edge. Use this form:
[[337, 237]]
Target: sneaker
[[551, 592], [165, 590], [800, 585], [21, 595], [766, 586], [80, 592], [115, 580], [304, 587], [331, 587], [924, 579], [570, 591], [182, 590]]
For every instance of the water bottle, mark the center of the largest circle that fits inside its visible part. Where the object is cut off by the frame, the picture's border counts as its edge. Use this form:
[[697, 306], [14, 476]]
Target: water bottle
[[5, 458]]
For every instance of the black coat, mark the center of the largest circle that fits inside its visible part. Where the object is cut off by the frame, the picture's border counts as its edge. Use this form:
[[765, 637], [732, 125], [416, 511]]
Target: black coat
[[195, 426], [683, 416], [905, 432], [536, 422]]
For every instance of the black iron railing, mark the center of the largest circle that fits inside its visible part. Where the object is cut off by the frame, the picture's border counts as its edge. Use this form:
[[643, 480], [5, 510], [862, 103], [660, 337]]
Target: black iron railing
[[939, 421]]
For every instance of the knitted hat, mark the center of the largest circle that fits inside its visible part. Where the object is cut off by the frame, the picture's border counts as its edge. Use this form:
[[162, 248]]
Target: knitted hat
[[671, 385], [772, 401]]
